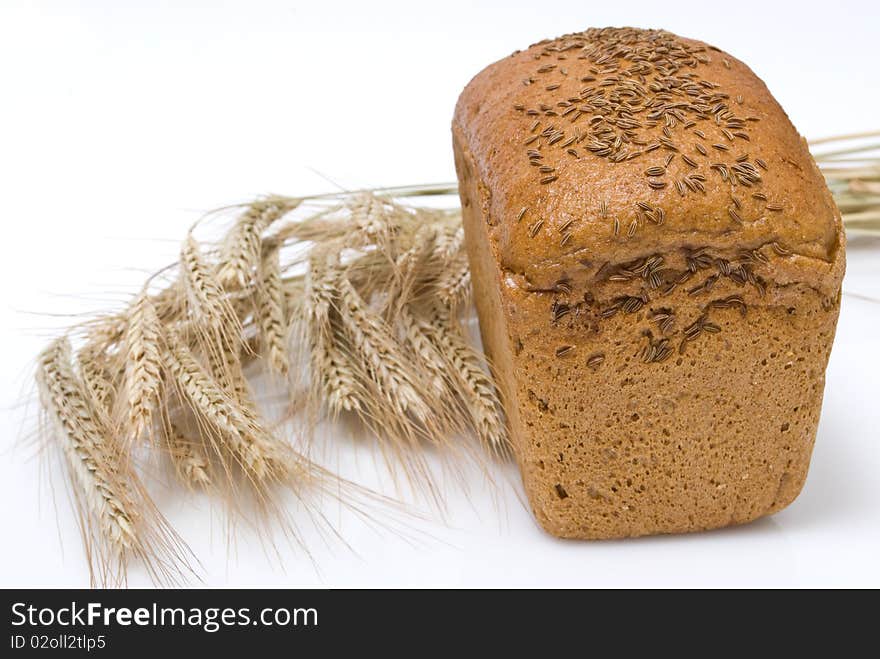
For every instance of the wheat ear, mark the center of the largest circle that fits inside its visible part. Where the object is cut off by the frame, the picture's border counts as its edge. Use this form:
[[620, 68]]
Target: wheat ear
[[105, 332], [413, 269], [94, 465], [332, 376], [271, 312], [454, 286], [226, 369], [95, 374], [370, 216], [142, 367], [189, 457], [204, 293], [450, 245], [475, 386], [418, 336], [240, 255], [451, 280], [381, 360], [213, 319], [249, 442], [98, 370], [261, 451]]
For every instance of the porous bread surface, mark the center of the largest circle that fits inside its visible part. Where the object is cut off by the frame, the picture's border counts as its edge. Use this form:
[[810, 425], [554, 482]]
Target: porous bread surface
[[657, 275]]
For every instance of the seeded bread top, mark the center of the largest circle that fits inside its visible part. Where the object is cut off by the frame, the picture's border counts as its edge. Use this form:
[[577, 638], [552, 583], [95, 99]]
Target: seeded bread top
[[606, 144]]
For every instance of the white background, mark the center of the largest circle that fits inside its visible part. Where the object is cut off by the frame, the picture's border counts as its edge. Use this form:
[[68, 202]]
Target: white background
[[121, 121]]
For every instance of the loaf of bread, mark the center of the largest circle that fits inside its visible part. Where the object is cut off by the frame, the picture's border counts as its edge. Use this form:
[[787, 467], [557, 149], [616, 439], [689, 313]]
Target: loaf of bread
[[657, 263]]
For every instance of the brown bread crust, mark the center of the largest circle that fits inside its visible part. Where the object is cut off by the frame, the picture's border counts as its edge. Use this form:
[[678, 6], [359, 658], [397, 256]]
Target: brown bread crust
[[661, 313]]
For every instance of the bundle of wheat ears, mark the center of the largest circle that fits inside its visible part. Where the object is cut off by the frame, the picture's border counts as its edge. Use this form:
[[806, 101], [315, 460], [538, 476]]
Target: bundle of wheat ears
[[352, 302]]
